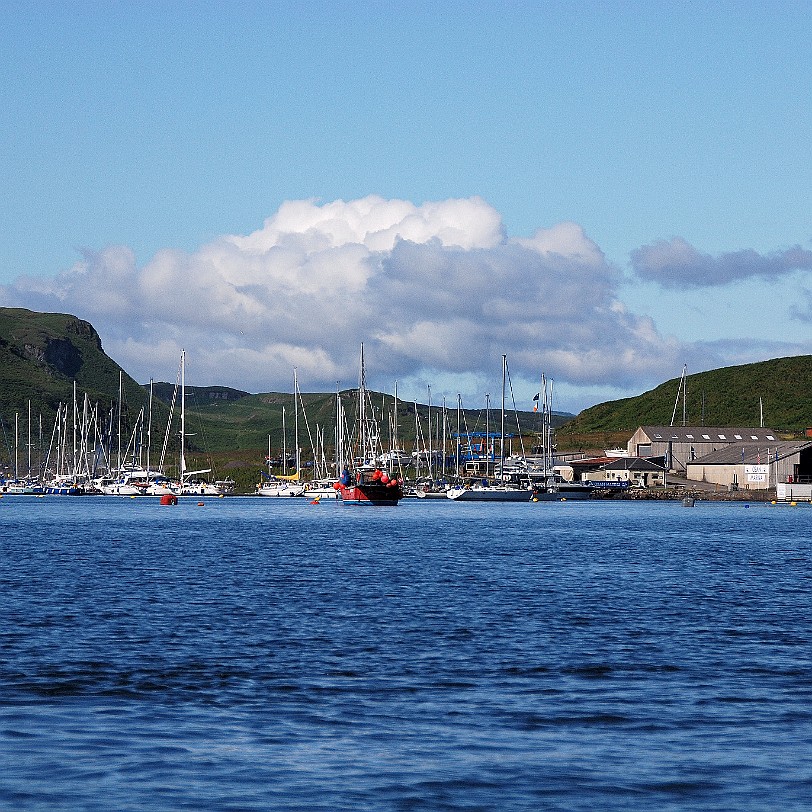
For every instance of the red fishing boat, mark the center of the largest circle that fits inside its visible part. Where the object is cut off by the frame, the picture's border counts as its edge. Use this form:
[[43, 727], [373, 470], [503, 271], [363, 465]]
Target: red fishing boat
[[364, 481]]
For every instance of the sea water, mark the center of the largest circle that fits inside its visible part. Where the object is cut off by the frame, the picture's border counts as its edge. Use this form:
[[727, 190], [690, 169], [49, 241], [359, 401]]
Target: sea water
[[250, 654]]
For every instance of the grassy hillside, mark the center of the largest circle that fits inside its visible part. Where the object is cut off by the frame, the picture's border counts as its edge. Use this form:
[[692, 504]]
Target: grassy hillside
[[247, 422], [720, 397], [41, 356]]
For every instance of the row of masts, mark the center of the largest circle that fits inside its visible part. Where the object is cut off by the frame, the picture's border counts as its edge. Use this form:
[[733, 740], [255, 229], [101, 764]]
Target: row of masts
[[363, 445], [80, 446]]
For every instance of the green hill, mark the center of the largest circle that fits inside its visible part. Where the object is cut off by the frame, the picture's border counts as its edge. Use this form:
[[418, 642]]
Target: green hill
[[42, 354], [721, 397], [247, 422]]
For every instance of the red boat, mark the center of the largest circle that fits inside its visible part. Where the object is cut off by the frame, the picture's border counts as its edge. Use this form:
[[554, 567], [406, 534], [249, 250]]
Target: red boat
[[370, 485], [364, 482]]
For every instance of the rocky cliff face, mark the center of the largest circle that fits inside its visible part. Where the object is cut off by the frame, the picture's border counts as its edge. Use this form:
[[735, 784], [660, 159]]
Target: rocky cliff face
[[44, 355], [84, 329], [63, 356], [57, 354]]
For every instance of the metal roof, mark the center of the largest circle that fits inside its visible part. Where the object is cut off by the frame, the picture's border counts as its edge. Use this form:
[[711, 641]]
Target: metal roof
[[752, 453], [631, 464], [709, 434]]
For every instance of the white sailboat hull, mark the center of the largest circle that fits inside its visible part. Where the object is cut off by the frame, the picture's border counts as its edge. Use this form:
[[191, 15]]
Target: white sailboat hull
[[489, 493], [280, 489]]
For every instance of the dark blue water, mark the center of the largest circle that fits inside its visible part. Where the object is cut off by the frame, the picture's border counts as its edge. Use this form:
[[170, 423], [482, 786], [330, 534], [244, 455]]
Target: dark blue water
[[260, 654]]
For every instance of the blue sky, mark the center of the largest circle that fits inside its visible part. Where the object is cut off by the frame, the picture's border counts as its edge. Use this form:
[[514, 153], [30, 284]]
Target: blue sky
[[137, 139]]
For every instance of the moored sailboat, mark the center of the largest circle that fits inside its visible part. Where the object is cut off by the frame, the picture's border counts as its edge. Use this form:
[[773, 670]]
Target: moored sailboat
[[281, 485], [364, 481], [502, 491]]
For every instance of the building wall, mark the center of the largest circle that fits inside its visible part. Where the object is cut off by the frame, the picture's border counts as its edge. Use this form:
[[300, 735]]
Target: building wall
[[740, 474], [647, 479], [745, 473], [794, 493], [679, 454]]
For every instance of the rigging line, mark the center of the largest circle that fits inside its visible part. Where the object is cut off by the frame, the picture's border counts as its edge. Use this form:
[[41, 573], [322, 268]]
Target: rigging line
[[515, 410], [169, 421], [307, 423]]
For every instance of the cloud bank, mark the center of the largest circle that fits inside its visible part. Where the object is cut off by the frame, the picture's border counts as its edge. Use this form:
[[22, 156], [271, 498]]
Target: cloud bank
[[676, 263], [436, 292]]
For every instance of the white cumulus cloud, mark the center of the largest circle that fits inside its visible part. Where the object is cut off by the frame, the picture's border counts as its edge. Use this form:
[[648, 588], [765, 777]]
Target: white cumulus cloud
[[436, 289]]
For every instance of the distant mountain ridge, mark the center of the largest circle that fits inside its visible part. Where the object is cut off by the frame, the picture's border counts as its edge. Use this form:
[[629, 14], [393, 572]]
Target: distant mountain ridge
[[198, 394], [780, 389]]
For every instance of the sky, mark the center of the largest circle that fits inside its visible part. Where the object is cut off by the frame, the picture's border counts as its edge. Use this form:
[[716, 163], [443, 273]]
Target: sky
[[603, 192]]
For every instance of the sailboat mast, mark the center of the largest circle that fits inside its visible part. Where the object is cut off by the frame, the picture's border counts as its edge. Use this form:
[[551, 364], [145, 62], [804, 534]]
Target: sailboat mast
[[296, 420], [430, 450], [685, 398], [120, 394], [362, 397], [487, 432], [395, 444], [29, 439], [339, 432], [681, 391], [502, 426], [445, 435], [459, 438], [149, 424], [75, 420], [182, 414]]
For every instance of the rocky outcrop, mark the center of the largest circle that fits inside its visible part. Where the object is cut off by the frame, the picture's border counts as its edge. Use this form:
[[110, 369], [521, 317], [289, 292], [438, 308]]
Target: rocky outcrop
[[84, 329], [62, 355]]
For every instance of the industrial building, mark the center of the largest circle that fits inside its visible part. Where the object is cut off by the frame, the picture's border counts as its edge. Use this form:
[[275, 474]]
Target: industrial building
[[754, 466], [681, 445]]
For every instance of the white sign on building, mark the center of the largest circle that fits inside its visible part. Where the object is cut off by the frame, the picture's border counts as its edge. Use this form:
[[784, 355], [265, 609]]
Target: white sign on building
[[757, 473]]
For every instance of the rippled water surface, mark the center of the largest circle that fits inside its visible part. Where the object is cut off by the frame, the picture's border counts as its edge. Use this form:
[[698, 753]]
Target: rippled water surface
[[254, 654]]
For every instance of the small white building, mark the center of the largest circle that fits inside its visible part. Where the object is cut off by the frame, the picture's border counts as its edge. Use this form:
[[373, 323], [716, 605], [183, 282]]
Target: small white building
[[632, 470]]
